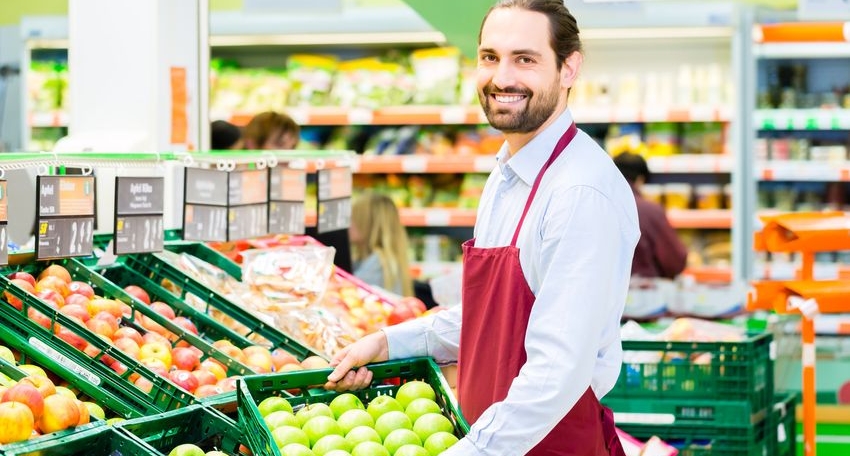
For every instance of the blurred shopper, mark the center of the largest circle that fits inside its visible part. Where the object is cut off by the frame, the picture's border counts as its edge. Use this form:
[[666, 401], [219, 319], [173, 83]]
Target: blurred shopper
[[225, 136], [659, 252], [272, 130], [379, 244], [537, 336]]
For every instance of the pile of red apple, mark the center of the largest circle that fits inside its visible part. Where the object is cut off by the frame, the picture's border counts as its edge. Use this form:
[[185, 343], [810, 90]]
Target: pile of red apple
[[409, 424], [157, 349], [35, 405]]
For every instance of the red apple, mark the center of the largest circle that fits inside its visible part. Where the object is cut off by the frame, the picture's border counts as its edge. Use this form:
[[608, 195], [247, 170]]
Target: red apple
[[16, 422], [184, 379], [56, 271], [26, 394], [233, 352], [227, 384], [43, 384], [163, 309], [75, 310], [155, 365], [401, 312], [53, 283], [24, 285], [185, 358], [214, 367], [186, 324], [205, 377], [144, 384], [72, 338], [85, 416], [128, 346], [207, 391], [60, 413], [152, 337], [98, 304], [129, 333], [38, 317], [51, 297], [138, 293], [82, 288], [100, 326], [21, 275], [281, 357]]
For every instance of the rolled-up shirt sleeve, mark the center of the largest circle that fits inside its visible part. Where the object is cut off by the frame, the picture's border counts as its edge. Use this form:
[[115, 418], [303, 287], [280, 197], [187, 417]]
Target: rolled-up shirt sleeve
[[585, 256]]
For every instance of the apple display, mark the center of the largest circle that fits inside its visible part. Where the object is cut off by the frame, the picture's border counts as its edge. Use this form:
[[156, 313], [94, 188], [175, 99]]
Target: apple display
[[413, 390], [285, 435], [392, 421], [400, 437], [345, 402], [273, 404], [353, 418], [431, 423], [383, 404], [280, 418], [320, 426], [362, 434], [313, 410]]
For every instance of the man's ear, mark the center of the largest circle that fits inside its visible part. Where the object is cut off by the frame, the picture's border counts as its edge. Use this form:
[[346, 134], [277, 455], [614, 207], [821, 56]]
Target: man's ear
[[570, 69]]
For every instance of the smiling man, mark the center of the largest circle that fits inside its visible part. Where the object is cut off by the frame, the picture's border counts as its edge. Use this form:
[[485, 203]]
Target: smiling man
[[545, 278]]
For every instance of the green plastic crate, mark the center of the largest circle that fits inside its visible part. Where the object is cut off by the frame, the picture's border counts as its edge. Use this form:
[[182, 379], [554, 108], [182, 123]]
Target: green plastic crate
[[196, 424], [224, 403], [157, 269], [99, 441], [690, 411], [731, 371], [208, 254], [18, 330], [701, 440], [209, 330], [782, 433], [295, 387]]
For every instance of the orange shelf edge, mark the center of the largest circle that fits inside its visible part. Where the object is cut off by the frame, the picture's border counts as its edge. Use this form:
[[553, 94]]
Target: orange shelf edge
[[802, 32]]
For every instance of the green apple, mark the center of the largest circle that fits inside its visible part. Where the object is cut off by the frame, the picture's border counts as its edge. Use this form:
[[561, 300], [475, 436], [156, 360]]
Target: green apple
[[370, 449], [216, 453], [411, 450], [413, 390], [312, 410], [362, 434], [337, 453], [186, 449], [439, 442], [329, 443], [115, 420], [345, 402], [95, 410], [274, 404], [280, 418], [320, 426], [383, 404], [419, 407], [7, 355], [296, 449], [285, 435], [353, 418], [391, 421], [399, 438], [431, 423]]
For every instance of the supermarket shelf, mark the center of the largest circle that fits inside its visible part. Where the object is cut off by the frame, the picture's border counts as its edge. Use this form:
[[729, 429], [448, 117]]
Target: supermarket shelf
[[48, 119], [473, 115], [804, 171], [700, 218], [802, 119], [691, 163], [709, 274], [424, 164], [802, 32]]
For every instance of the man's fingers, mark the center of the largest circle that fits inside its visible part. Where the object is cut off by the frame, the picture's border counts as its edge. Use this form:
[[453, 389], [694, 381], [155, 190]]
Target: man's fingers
[[343, 366], [339, 356]]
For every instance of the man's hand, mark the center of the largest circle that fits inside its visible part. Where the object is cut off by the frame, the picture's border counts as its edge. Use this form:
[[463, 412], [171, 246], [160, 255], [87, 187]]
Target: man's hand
[[370, 349]]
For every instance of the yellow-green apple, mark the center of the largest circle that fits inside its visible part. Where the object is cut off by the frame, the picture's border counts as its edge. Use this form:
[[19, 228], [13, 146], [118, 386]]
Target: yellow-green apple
[[438, 442], [345, 402], [419, 407], [369, 449], [186, 449], [287, 435], [320, 426], [95, 410], [413, 390], [32, 369], [60, 413], [411, 450], [400, 437], [431, 423], [391, 421], [273, 404], [138, 293], [383, 404], [353, 418], [16, 422], [329, 443], [280, 418], [313, 410], [26, 394], [362, 434]]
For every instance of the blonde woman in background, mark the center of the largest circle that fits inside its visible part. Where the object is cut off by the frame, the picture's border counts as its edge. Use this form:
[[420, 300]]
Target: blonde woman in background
[[379, 244]]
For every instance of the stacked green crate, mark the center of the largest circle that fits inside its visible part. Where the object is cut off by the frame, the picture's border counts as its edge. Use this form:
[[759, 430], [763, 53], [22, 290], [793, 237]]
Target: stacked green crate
[[704, 397], [99, 441]]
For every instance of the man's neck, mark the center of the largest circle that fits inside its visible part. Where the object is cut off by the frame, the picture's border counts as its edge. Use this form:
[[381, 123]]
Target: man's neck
[[517, 141]]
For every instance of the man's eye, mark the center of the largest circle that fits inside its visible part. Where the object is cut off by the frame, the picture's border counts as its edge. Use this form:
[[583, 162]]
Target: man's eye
[[525, 60], [488, 58]]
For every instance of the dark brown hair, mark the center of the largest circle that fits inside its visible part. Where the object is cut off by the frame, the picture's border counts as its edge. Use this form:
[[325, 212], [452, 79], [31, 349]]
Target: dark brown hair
[[563, 28], [265, 124]]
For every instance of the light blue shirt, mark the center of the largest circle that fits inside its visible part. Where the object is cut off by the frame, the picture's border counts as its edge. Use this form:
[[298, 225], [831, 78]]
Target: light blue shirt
[[370, 271], [576, 248]]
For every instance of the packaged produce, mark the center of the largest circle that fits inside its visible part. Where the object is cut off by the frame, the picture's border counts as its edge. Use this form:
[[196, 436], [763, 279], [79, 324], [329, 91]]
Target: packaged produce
[[289, 274], [436, 71], [311, 77], [371, 83]]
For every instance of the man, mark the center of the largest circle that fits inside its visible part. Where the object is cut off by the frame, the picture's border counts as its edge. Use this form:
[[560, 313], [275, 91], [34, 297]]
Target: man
[[659, 253], [545, 279]]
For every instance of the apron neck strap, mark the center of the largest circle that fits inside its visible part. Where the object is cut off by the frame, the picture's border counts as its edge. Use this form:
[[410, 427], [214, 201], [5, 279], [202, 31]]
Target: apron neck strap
[[562, 144]]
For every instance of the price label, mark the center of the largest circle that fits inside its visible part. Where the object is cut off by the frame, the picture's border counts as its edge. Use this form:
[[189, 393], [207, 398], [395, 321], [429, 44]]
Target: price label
[[62, 360], [334, 215], [247, 221], [204, 223], [4, 221], [65, 216], [334, 199], [205, 186], [287, 184], [248, 187], [138, 215], [137, 234], [286, 217]]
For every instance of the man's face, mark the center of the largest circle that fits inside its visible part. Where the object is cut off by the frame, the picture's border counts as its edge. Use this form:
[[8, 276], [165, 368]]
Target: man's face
[[519, 84], [280, 140]]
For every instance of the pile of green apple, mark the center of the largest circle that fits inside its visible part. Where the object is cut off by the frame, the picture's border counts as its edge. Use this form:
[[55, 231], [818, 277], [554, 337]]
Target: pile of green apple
[[409, 424], [190, 449]]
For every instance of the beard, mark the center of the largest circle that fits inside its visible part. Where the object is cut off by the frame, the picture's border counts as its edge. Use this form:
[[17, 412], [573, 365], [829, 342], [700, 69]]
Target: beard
[[538, 108]]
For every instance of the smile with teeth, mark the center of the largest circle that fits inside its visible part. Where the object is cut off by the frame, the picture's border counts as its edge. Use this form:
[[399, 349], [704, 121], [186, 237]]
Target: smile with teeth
[[508, 98]]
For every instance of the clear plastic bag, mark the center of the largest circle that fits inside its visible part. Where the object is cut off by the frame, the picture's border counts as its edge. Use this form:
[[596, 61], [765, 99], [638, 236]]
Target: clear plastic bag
[[290, 275]]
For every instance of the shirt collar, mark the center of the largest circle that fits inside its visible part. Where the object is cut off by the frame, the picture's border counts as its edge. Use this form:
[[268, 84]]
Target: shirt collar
[[528, 161]]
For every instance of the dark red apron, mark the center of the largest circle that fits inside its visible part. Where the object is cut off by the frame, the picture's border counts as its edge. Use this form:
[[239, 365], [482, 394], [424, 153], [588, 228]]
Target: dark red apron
[[497, 303]]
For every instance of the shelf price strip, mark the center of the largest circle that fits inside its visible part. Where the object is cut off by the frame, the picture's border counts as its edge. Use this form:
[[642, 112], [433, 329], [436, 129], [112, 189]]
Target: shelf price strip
[[334, 199], [138, 215], [65, 216], [287, 191], [4, 221]]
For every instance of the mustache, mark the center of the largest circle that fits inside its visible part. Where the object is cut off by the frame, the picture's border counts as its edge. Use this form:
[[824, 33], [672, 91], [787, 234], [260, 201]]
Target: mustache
[[491, 88]]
